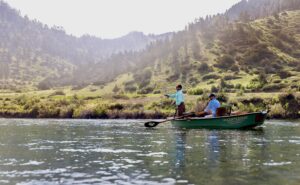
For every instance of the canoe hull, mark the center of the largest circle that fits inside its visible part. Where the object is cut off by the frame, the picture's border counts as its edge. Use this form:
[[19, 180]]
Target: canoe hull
[[227, 122]]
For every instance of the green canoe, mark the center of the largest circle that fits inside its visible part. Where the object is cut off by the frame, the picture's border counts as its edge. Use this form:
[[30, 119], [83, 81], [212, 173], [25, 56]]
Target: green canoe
[[226, 122]]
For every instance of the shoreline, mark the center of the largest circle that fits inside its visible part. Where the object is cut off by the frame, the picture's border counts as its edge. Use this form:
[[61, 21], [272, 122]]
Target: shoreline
[[127, 117], [282, 106], [120, 116]]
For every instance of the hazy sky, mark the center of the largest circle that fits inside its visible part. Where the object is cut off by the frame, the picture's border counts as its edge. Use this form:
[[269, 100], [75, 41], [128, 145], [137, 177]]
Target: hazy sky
[[114, 18]]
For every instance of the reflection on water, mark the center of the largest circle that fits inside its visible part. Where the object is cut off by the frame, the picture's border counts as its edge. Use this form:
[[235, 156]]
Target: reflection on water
[[124, 152], [180, 138], [214, 148]]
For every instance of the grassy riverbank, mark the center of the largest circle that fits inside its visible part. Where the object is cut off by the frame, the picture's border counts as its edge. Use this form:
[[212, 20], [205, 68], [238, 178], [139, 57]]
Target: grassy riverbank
[[91, 102]]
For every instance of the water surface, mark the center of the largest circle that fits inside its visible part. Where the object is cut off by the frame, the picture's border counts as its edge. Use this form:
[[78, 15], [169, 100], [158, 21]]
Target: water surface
[[124, 152]]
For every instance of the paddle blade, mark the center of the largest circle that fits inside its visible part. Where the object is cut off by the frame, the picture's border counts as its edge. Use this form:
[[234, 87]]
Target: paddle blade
[[151, 124]]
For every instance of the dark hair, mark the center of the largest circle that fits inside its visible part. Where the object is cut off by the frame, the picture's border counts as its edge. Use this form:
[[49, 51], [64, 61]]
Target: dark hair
[[212, 95], [179, 86]]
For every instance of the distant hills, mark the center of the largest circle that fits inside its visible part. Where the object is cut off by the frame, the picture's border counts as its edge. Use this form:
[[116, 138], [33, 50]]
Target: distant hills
[[30, 51], [253, 46]]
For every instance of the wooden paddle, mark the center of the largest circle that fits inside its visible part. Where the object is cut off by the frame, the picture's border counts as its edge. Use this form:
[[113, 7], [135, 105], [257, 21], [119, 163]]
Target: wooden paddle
[[151, 124]]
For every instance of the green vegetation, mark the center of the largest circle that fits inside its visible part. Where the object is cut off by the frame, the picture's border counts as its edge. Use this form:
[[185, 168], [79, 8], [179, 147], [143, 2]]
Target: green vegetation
[[249, 54], [238, 42], [69, 103]]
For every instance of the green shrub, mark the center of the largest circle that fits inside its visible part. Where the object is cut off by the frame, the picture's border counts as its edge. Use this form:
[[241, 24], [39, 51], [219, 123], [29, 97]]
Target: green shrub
[[277, 111], [92, 97], [61, 102], [222, 97], [234, 68], [270, 70], [277, 81], [214, 89], [225, 62], [116, 106], [48, 111], [44, 85], [240, 93], [195, 91], [284, 74], [144, 83], [66, 112], [193, 80], [290, 104], [116, 89], [57, 93], [130, 88], [173, 77], [259, 82], [224, 85], [230, 77], [211, 76], [204, 68], [146, 90], [91, 111], [120, 96], [211, 82], [273, 87], [294, 86], [21, 100], [255, 101], [287, 37], [256, 55], [247, 108], [238, 86], [137, 106], [156, 92], [296, 53], [143, 78], [129, 83]]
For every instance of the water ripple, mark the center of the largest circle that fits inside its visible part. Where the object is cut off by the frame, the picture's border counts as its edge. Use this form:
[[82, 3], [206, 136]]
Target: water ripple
[[124, 152]]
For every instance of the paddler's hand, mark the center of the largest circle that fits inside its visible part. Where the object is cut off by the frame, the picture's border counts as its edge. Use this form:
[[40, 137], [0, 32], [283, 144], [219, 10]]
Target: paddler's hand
[[166, 95]]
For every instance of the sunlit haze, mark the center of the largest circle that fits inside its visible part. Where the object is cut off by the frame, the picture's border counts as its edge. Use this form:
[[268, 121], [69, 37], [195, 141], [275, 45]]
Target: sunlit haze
[[114, 18]]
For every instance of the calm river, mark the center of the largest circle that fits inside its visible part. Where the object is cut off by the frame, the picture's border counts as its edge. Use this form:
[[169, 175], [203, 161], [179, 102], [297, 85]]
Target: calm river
[[124, 152]]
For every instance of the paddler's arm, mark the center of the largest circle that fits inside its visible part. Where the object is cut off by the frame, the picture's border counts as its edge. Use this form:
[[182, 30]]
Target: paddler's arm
[[205, 112], [171, 95]]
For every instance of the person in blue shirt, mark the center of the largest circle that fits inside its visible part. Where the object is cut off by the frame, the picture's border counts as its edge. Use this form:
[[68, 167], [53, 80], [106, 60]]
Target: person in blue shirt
[[211, 108], [179, 97]]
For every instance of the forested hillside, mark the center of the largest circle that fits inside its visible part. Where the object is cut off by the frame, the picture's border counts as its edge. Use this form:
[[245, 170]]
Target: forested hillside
[[254, 46], [30, 51], [217, 53]]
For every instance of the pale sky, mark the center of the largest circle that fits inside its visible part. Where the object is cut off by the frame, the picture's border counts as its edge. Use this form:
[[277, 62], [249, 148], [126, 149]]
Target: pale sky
[[115, 18]]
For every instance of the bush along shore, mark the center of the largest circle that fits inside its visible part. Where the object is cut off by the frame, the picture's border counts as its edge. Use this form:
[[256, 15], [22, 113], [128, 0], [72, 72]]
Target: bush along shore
[[283, 106]]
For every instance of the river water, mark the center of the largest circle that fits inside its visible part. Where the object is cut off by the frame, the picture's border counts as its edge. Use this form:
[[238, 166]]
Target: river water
[[124, 152]]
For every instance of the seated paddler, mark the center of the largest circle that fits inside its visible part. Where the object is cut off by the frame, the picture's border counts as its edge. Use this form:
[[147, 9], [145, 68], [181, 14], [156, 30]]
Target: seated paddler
[[211, 108], [179, 98]]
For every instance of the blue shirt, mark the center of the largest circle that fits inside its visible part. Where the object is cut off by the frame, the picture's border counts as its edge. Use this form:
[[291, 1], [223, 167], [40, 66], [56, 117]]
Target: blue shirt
[[212, 106], [178, 96]]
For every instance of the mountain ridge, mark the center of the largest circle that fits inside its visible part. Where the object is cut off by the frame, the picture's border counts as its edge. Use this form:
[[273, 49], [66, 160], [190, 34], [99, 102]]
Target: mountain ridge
[[50, 52], [57, 59]]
